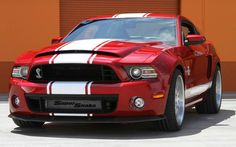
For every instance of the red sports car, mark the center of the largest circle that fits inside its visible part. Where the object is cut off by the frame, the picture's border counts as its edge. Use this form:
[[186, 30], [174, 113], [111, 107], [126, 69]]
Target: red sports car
[[124, 68]]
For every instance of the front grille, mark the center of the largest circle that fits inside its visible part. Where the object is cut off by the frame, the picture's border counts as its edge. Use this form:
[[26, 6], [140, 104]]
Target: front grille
[[38, 103], [72, 72]]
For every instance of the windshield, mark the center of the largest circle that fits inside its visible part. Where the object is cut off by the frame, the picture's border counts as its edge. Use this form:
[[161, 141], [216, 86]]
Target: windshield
[[130, 29]]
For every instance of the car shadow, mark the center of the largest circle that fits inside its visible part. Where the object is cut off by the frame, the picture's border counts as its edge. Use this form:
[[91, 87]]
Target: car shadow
[[194, 124]]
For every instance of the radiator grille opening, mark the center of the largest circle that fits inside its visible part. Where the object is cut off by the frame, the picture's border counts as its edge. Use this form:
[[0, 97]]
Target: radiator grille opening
[[72, 72]]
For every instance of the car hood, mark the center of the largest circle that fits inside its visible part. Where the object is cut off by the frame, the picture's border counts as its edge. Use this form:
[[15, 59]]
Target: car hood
[[125, 51]]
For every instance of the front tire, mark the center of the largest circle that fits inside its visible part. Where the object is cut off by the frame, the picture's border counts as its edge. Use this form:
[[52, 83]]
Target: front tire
[[212, 103], [175, 108], [27, 124]]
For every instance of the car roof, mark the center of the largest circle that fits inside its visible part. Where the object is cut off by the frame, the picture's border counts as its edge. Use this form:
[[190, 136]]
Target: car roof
[[135, 15]]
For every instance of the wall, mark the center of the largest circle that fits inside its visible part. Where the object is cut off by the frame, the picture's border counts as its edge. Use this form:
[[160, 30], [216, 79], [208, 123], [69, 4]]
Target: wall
[[25, 25], [74, 11], [30, 24], [216, 20]]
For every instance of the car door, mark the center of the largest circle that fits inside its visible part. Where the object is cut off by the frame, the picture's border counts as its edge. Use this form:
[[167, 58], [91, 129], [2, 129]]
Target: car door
[[196, 60]]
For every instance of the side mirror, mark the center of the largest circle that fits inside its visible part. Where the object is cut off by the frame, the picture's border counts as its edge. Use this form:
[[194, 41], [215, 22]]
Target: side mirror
[[56, 40], [194, 39]]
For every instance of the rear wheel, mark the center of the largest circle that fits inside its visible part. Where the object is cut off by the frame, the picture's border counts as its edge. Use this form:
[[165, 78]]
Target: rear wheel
[[211, 104], [175, 108], [27, 124]]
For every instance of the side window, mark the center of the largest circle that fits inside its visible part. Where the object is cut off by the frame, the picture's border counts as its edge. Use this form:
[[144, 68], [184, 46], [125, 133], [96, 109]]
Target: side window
[[187, 29]]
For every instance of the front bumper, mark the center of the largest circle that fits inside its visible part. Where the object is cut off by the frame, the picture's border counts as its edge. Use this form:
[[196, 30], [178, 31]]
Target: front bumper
[[73, 119], [125, 91]]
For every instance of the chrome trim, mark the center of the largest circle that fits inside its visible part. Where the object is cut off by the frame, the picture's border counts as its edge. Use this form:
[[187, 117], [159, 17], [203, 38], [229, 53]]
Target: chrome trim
[[196, 90]]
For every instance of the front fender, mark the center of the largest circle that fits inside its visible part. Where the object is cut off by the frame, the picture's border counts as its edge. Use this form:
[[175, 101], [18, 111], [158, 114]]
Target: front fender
[[166, 65]]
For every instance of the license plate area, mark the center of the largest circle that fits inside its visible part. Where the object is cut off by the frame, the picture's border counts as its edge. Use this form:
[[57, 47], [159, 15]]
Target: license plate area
[[57, 103], [73, 104]]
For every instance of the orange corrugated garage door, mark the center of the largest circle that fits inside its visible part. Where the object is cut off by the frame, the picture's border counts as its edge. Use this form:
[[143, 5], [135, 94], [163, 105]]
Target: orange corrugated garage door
[[73, 11]]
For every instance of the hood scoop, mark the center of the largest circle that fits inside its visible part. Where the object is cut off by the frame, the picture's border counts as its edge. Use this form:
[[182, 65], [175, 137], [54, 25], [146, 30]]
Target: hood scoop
[[76, 52], [110, 48]]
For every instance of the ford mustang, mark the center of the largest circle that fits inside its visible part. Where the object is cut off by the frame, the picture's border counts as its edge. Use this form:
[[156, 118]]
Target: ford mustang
[[124, 68]]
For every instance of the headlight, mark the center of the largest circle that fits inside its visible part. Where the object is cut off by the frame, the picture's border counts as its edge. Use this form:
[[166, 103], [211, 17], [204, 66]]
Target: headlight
[[135, 72], [138, 72], [20, 72]]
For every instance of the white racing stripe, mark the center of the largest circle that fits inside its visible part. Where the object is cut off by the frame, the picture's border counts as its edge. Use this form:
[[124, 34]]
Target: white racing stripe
[[52, 58], [83, 45], [87, 45], [48, 87], [102, 44], [75, 87], [68, 87], [92, 58], [72, 58], [130, 15], [89, 87], [72, 114], [61, 46]]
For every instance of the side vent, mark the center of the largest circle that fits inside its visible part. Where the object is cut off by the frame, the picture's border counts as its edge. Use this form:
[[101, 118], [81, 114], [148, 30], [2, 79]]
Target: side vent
[[209, 68]]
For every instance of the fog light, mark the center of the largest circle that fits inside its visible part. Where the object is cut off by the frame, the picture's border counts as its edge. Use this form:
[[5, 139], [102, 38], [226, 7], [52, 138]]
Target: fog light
[[15, 101], [137, 103]]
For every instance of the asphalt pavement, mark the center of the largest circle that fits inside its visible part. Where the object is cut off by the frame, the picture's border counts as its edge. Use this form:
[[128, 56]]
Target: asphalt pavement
[[216, 130]]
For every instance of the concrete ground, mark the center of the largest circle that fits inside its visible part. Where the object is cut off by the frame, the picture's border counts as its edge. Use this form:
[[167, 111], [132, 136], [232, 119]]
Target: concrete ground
[[199, 131]]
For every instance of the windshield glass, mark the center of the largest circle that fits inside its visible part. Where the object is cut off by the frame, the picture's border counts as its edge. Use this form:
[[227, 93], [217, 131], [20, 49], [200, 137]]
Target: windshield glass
[[130, 29]]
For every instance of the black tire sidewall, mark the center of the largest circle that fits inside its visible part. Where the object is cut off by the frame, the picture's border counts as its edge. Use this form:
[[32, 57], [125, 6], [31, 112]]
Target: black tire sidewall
[[171, 118]]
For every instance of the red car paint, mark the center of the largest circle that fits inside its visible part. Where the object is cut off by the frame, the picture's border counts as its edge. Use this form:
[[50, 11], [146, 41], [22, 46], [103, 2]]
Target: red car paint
[[200, 58]]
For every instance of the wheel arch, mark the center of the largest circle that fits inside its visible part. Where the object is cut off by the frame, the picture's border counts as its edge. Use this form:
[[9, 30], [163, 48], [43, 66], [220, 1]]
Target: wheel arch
[[215, 62], [180, 67], [218, 64]]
